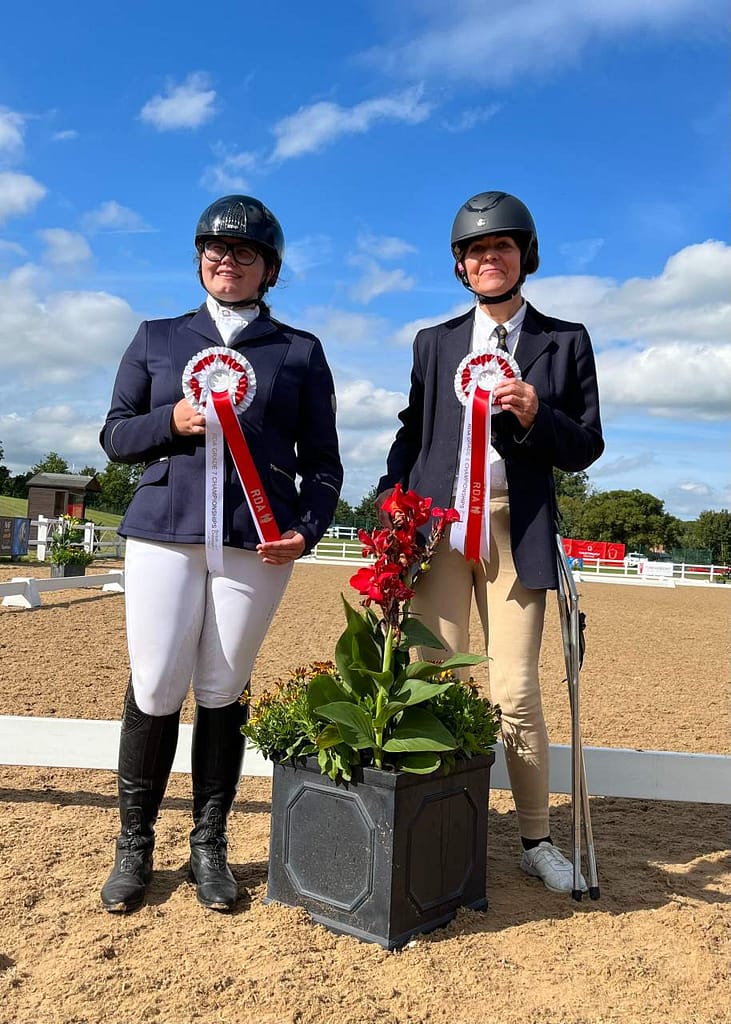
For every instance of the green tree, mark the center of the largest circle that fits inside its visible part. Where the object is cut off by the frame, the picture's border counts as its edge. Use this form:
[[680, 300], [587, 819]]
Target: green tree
[[633, 518], [572, 492], [571, 485], [16, 486], [52, 463], [365, 513], [118, 482], [93, 498], [713, 530], [343, 513]]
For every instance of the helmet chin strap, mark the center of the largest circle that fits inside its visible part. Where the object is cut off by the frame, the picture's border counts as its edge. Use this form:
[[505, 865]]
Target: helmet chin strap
[[495, 300], [490, 300], [242, 304]]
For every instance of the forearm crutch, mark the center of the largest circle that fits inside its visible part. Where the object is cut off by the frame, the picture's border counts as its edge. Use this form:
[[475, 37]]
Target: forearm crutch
[[572, 631]]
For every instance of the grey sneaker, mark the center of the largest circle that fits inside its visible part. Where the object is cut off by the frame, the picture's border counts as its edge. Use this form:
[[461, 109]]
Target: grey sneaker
[[546, 862]]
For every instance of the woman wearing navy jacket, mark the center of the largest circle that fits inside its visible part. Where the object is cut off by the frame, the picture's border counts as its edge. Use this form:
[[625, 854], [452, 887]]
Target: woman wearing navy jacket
[[545, 414], [198, 609]]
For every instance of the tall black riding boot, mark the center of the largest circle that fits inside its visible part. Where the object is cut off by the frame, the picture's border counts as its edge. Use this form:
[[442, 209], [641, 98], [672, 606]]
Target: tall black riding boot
[[146, 751], [218, 752]]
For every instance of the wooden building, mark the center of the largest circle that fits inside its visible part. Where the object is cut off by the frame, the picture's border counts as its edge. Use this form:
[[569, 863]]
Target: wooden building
[[57, 494]]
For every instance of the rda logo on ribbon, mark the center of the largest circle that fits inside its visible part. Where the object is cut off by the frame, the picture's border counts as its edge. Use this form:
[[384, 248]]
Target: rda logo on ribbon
[[217, 382], [477, 376]]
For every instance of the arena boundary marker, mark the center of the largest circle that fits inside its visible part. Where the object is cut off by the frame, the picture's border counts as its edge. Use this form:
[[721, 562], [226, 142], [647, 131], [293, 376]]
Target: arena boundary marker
[[25, 591], [611, 771]]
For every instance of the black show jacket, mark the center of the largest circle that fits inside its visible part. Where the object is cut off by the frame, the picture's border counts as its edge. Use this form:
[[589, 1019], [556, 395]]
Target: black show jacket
[[556, 358], [289, 428]]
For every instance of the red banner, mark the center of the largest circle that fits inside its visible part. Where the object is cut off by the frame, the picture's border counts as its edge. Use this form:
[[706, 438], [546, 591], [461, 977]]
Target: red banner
[[607, 550]]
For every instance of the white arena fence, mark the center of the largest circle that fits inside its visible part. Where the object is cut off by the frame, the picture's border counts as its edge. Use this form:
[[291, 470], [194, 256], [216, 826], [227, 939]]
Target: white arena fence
[[340, 545], [617, 772]]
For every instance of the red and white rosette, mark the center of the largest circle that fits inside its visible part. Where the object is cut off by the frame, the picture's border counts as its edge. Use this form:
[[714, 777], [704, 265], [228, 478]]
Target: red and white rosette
[[217, 382], [477, 376]]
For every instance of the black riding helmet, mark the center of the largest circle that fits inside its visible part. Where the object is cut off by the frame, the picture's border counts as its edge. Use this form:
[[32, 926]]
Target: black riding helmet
[[247, 218], [495, 213]]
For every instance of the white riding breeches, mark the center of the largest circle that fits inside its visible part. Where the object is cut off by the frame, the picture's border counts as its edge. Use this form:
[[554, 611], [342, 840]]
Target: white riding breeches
[[184, 624]]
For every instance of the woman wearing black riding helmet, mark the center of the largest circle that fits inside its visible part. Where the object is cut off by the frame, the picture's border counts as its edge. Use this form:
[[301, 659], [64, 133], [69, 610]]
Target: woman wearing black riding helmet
[[199, 600], [545, 415]]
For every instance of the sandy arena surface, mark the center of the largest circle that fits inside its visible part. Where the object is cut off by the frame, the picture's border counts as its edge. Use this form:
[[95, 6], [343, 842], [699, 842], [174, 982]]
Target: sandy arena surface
[[653, 950]]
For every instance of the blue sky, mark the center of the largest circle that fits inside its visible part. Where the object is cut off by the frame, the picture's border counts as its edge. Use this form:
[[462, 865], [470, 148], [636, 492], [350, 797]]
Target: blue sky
[[364, 127]]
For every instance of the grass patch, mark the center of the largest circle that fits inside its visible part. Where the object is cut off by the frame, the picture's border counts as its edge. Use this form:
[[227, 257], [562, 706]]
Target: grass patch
[[19, 507]]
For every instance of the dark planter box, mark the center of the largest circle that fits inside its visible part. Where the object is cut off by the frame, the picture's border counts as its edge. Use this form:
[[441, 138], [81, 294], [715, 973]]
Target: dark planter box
[[385, 857], [71, 569]]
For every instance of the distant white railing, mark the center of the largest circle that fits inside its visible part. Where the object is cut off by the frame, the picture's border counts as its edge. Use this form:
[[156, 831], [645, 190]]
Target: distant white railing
[[340, 546], [100, 541], [647, 569]]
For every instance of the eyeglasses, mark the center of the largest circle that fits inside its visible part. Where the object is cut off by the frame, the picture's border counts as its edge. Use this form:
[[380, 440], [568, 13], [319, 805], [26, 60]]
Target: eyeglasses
[[242, 253]]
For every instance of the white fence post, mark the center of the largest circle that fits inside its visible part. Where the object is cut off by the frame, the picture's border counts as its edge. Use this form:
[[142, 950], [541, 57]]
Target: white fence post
[[89, 537], [42, 538]]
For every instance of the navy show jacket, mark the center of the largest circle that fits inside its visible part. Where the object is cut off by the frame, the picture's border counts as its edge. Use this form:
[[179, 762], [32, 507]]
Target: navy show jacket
[[556, 357], [289, 428]]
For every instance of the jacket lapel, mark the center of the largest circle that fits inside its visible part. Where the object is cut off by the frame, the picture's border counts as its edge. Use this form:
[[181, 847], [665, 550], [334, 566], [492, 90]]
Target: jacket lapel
[[202, 324], [454, 344], [533, 340]]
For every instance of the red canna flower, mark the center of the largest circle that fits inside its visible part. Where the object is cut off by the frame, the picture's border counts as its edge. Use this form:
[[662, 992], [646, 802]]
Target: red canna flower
[[409, 506], [449, 515], [375, 543]]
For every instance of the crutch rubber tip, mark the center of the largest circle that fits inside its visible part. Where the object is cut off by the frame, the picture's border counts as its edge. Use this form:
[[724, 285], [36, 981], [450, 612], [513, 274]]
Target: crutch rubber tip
[[576, 895], [593, 892]]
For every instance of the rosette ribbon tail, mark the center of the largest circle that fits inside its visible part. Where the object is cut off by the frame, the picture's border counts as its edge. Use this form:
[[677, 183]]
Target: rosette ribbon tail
[[221, 408], [471, 535]]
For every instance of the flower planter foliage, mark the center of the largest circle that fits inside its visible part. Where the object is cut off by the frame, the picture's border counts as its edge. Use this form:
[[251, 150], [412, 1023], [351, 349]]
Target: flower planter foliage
[[65, 547], [374, 719]]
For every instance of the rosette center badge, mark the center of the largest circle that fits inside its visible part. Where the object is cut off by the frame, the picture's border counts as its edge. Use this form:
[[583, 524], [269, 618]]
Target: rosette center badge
[[219, 369], [484, 368]]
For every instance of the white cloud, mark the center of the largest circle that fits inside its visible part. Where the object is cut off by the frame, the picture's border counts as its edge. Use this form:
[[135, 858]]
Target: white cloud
[[313, 127], [60, 350], [384, 247], [12, 247], [581, 253], [225, 175], [624, 464], [59, 336], [65, 247], [304, 254], [11, 133], [662, 342], [112, 216], [688, 498], [469, 119], [377, 281], [405, 335], [340, 329], [666, 380], [72, 427], [182, 106], [66, 135], [364, 406], [19, 193], [459, 42]]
